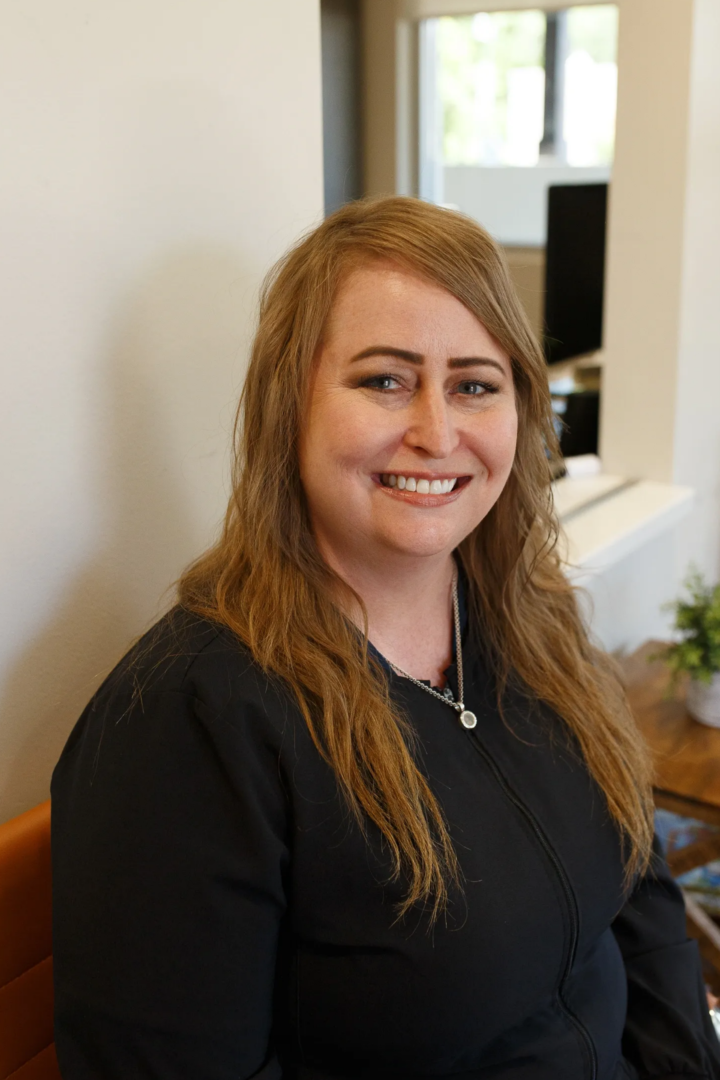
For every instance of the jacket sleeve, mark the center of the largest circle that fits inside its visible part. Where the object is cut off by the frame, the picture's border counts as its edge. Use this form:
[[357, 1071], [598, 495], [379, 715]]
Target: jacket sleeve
[[668, 1031], [169, 860]]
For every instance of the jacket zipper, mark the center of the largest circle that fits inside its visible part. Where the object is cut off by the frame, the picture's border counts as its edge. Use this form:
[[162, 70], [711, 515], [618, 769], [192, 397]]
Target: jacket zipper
[[567, 890]]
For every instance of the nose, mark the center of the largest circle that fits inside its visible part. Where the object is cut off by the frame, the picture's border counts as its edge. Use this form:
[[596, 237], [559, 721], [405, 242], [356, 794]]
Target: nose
[[430, 424]]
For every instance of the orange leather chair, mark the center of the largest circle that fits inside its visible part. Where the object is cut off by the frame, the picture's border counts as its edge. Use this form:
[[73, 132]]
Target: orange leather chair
[[27, 1050]]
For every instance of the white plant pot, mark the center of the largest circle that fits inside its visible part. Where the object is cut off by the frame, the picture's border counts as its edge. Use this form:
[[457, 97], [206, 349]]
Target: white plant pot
[[703, 700]]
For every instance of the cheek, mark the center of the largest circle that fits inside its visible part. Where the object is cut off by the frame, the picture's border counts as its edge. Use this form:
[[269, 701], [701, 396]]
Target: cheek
[[343, 431], [496, 441]]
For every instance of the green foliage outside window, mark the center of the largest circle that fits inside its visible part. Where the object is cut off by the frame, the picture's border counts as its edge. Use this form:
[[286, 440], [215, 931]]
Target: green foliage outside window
[[512, 39], [478, 56], [594, 29]]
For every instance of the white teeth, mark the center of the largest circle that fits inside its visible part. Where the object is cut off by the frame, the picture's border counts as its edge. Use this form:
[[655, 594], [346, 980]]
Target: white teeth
[[423, 487]]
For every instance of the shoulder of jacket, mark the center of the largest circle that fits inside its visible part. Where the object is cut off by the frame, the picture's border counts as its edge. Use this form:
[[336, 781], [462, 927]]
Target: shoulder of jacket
[[188, 655]]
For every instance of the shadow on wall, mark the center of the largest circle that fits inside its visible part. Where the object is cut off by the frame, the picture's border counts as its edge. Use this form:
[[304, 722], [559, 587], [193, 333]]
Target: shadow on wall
[[163, 412]]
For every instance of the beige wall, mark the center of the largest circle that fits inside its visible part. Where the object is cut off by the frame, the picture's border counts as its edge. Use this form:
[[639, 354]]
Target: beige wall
[[661, 382], [696, 457], [158, 156], [527, 267], [645, 237]]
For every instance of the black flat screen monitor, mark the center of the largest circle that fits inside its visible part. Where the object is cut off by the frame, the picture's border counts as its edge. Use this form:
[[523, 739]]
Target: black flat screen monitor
[[575, 269]]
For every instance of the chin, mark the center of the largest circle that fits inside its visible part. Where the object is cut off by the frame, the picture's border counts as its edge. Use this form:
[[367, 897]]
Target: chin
[[421, 544]]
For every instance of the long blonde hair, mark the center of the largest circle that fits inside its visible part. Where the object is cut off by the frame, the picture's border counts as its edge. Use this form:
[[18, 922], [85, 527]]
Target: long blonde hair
[[266, 581]]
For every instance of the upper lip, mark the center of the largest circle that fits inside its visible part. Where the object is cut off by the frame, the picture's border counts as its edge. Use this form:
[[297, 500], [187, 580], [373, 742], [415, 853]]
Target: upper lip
[[422, 474]]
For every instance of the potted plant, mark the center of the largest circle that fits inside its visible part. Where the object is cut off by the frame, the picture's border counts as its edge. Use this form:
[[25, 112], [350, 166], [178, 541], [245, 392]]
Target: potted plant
[[697, 621]]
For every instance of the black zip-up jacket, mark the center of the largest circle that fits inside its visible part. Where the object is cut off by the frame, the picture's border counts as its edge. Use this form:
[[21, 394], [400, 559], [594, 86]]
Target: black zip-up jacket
[[218, 914]]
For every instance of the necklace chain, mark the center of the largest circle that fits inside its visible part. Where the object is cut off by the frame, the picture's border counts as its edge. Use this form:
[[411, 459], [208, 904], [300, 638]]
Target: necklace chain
[[467, 718]]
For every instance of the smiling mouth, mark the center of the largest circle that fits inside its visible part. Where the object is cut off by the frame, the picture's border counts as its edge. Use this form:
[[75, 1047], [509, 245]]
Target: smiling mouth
[[422, 485]]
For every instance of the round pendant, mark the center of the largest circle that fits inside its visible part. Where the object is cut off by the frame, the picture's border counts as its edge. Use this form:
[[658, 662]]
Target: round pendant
[[468, 719]]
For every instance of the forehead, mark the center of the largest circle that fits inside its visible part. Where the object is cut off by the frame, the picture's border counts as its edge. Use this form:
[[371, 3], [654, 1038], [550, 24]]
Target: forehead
[[383, 304]]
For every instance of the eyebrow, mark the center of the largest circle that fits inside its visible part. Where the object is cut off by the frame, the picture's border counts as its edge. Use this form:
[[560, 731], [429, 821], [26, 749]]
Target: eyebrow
[[417, 358]]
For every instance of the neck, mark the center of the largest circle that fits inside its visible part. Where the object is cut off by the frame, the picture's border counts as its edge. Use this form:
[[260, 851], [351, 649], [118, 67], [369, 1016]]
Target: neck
[[409, 610]]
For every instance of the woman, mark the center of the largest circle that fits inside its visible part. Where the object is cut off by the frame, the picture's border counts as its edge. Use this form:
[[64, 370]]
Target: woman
[[367, 802]]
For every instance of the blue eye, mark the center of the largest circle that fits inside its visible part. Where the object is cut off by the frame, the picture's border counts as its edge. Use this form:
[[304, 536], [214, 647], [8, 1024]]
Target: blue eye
[[380, 382], [473, 388]]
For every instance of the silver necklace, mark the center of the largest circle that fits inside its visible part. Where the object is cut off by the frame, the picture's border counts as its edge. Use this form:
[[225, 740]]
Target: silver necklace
[[467, 719]]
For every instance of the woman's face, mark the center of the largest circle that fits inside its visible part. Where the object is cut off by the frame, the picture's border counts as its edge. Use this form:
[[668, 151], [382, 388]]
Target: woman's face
[[411, 426]]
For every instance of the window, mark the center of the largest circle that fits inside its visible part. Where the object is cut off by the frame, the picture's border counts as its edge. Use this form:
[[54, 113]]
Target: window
[[590, 85], [524, 87]]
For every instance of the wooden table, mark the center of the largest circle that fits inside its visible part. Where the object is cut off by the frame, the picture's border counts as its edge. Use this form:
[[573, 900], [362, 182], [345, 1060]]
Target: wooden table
[[686, 755]]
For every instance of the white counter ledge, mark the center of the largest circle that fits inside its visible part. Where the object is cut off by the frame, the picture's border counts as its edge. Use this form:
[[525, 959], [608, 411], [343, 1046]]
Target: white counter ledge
[[605, 517]]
